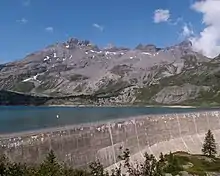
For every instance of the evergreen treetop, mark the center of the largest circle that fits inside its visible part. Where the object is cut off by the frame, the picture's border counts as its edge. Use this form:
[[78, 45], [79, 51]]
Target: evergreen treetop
[[209, 145]]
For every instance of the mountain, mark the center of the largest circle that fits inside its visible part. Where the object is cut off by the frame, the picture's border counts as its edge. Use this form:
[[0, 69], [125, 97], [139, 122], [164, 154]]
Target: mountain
[[79, 72]]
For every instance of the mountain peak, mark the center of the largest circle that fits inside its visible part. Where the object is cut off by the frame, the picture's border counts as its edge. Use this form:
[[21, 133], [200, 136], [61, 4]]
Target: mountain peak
[[185, 44], [75, 41], [147, 48]]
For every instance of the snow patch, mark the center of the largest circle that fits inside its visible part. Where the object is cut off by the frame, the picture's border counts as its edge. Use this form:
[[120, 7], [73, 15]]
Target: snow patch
[[145, 53], [46, 58], [34, 78], [155, 54], [71, 57], [110, 53], [98, 52], [28, 79], [54, 54], [67, 46]]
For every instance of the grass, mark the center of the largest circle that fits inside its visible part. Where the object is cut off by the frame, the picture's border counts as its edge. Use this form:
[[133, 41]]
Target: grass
[[112, 89], [198, 164], [25, 87], [146, 93]]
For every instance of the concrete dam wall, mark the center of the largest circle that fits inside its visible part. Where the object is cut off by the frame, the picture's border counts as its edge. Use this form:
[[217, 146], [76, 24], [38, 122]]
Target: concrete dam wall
[[80, 145]]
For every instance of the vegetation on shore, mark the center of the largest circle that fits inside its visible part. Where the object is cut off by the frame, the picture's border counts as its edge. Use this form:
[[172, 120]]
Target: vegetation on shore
[[11, 98]]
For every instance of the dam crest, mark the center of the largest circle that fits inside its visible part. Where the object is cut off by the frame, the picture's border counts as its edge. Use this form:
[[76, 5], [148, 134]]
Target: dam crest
[[81, 144]]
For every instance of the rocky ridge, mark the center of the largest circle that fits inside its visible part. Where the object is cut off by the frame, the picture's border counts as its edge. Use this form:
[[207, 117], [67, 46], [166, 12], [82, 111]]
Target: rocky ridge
[[79, 72]]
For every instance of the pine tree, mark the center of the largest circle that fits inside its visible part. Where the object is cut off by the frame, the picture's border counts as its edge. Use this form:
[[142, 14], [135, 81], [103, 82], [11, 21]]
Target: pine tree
[[162, 159], [50, 166], [150, 166], [17, 169], [3, 165], [97, 169], [209, 146]]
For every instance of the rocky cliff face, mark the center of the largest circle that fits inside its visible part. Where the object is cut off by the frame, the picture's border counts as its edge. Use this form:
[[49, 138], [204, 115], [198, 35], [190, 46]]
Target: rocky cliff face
[[78, 72]]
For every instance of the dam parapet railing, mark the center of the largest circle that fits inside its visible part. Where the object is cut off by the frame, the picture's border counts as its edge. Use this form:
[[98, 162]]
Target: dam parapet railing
[[79, 145]]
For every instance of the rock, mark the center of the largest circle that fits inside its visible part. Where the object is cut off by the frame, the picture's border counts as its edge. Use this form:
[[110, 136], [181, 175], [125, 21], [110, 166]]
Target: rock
[[168, 174], [185, 173], [147, 48], [188, 165], [185, 44]]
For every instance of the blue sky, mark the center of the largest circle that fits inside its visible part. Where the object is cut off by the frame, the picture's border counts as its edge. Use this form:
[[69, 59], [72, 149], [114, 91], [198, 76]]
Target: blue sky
[[29, 25]]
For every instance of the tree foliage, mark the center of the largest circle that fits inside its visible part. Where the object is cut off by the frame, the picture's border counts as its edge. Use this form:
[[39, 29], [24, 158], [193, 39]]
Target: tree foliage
[[169, 163], [162, 159], [209, 145], [172, 165], [150, 166], [51, 167], [97, 169]]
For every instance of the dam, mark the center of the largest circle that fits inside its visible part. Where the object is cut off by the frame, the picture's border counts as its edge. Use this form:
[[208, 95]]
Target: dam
[[79, 145]]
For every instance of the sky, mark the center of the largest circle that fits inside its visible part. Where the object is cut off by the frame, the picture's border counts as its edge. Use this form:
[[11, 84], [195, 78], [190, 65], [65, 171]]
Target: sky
[[30, 25]]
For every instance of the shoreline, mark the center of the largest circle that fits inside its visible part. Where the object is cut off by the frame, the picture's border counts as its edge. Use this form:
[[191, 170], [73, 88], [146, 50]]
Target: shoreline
[[179, 106], [119, 106]]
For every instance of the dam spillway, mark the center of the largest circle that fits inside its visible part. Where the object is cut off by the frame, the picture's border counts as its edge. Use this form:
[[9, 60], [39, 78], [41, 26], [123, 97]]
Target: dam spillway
[[82, 144]]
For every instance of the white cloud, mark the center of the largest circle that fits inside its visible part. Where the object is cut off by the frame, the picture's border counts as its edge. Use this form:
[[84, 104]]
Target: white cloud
[[26, 3], [161, 15], [22, 21], [49, 29], [187, 31], [99, 27], [208, 41], [175, 22]]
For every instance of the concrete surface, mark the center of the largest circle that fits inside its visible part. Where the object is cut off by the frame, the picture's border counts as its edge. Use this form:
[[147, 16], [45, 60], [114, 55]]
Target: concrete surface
[[80, 145]]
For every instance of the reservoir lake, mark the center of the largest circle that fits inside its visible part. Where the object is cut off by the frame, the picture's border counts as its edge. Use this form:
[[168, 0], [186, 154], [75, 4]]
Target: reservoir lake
[[22, 118]]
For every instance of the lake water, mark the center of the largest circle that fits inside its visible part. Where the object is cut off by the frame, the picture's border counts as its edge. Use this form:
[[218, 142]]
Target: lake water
[[19, 118]]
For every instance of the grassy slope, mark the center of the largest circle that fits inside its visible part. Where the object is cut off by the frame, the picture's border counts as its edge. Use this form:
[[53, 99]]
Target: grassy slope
[[13, 98], [198, 164]]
